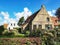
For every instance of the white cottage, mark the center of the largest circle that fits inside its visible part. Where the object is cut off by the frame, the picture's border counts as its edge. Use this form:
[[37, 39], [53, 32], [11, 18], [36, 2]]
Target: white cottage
[[12, 25]]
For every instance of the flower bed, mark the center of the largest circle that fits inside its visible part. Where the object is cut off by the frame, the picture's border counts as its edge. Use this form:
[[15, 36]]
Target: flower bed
[[20, 41]]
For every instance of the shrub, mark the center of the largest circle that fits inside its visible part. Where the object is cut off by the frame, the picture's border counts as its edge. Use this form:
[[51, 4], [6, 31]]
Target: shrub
[[52, 31], [43, 43], [36, 33], [13, 33], [7, 33], [1, 29], [19, 30], [20, 35], [55, 28], [48, 38], [16, 28], [27, 33], [32, 34], [10, 33], [28, 43]]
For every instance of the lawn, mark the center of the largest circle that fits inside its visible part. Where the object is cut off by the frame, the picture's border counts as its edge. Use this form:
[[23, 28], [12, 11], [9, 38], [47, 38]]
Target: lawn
[[58, 43], [1, 36]]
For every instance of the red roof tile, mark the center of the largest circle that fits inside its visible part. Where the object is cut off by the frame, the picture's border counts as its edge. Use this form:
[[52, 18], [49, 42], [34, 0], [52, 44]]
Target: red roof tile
[[54, 20]]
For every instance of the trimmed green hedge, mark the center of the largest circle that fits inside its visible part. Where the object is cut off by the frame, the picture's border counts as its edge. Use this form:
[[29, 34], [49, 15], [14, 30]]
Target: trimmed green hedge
[[1, 29]]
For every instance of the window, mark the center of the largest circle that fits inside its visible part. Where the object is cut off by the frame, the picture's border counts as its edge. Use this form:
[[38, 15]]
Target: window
[[14, 24], [11, 24], [9, 28], [39, 26], [48, 26], [48, 19], [56, 21], [55, 26], [34, 27]]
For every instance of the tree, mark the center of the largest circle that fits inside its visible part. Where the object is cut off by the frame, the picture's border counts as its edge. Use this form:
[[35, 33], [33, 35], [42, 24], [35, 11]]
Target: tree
[[1, 29], [58, 12], [21, 20]]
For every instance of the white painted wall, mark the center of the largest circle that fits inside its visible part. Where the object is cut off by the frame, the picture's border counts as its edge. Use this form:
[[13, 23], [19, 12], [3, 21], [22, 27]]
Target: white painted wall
[[12, 25]]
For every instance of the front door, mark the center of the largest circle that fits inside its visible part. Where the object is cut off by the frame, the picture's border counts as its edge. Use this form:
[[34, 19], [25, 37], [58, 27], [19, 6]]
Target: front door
[[48, 26]]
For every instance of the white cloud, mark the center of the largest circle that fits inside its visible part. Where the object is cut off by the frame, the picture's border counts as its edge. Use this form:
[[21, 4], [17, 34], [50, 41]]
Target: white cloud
[[18, 15], [12, 20], [0, 18], [1, 23], [52, 12], [7, 19], [5, 14], [26, 9], [25, 13]]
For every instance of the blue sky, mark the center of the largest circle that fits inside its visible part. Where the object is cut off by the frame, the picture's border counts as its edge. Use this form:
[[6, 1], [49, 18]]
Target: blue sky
[[12, 9]]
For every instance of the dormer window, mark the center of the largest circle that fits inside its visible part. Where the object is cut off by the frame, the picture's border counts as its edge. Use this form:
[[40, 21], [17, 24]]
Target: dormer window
[[48, 19], [56, 21], [11, 24]]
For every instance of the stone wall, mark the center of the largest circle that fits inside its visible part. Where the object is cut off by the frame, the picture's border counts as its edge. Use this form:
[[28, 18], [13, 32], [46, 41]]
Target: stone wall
[[20, 41]]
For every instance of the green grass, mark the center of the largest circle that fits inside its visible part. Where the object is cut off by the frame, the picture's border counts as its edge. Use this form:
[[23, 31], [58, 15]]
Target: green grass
[[58, 43], [3, 36]]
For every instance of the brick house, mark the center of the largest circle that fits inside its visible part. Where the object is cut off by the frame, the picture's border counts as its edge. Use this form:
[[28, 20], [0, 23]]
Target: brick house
[[40, 20]]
